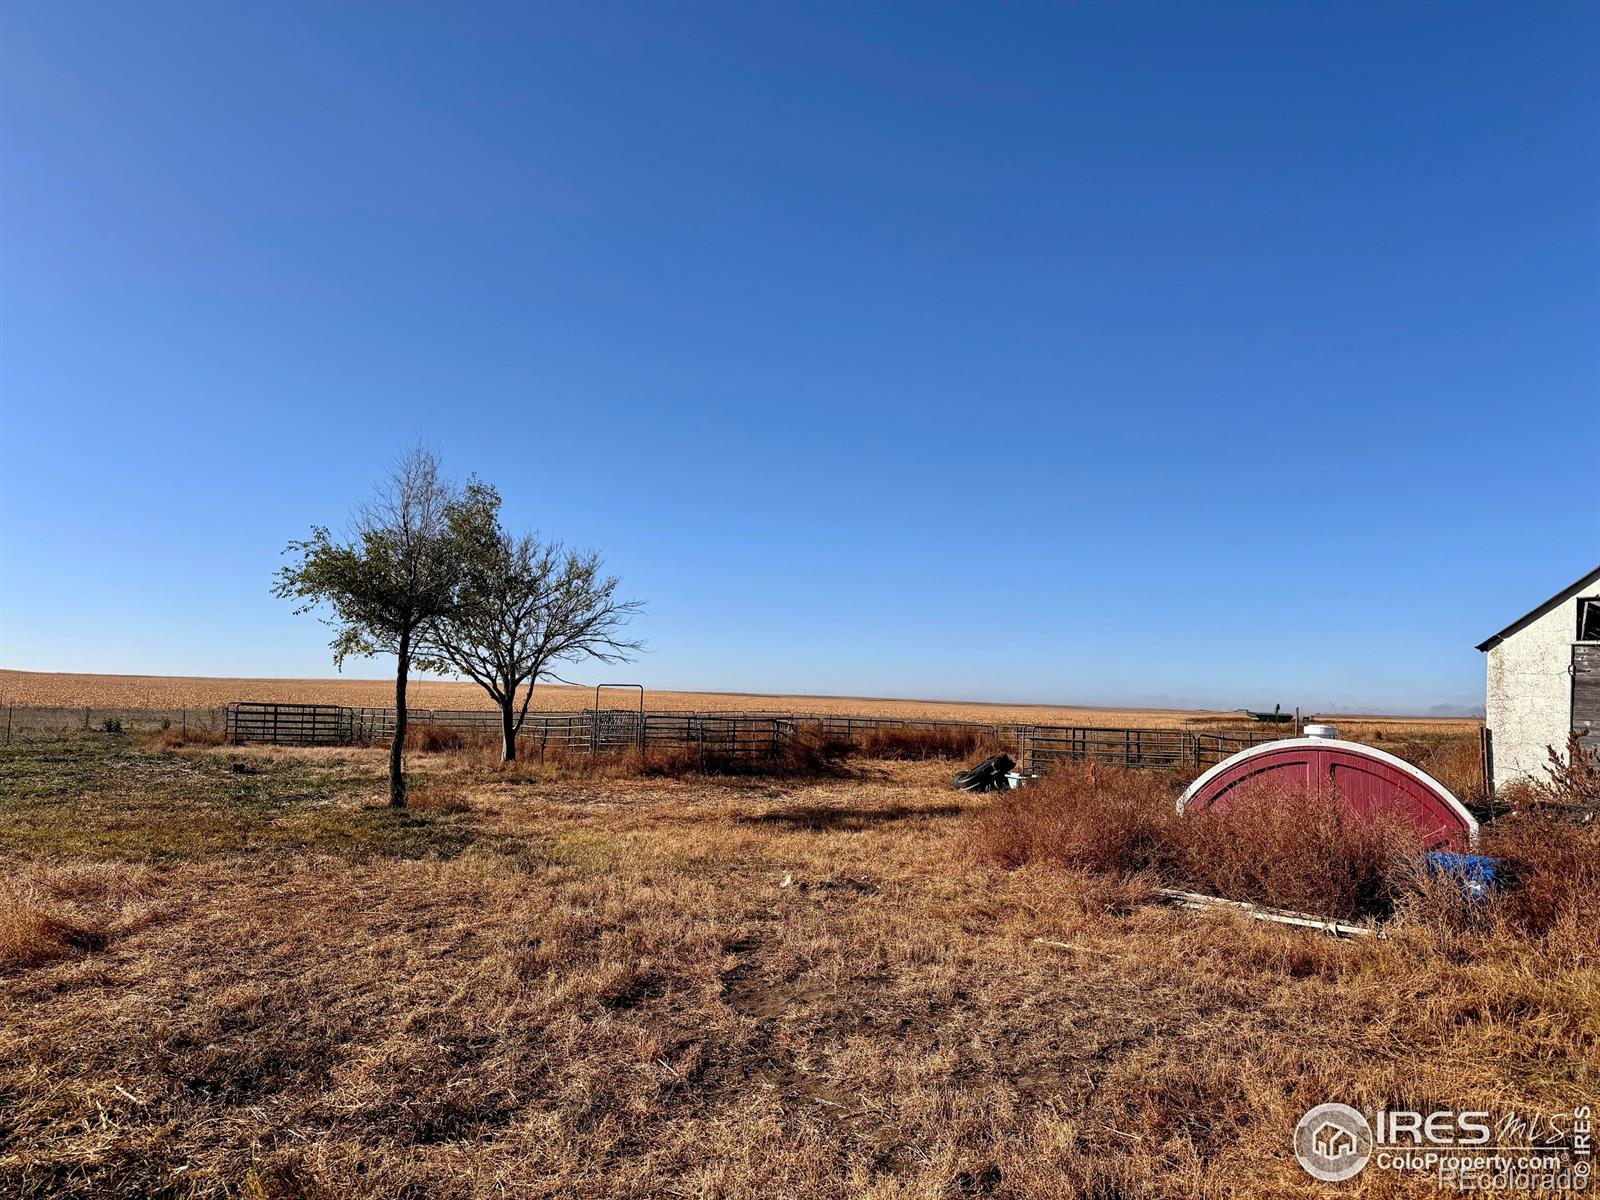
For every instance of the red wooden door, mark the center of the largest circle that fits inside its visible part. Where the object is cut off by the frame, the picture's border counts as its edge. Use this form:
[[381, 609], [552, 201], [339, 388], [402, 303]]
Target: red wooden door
[[1367, 781]]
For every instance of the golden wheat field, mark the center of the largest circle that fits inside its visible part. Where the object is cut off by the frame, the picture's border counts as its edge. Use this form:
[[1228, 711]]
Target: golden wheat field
[[66, 690]]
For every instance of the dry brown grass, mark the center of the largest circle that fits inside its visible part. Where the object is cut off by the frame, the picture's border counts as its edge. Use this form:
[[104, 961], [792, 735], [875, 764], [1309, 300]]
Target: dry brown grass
[[34, 931], [1287, 849], [1094, 818], [440, 739], [48, 913], [1296, 850], [611, 992], [1555, 869], [446, 798], [176, 738], [914, 744], [808, 753]]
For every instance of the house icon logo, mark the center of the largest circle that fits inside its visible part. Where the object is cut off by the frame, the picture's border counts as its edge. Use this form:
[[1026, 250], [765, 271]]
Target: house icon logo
[[1332, 1142]]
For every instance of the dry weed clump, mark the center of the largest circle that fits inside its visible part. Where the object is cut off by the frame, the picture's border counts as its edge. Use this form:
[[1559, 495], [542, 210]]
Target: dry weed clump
[[1300, 851], [1457, 763], [1296, 849], [1099, 818], [1531, 944], [481, 757], [438, 739], [34, 930], [1552, 870], [1574, 779], [806, 750], [912, 744], [176, 738], [1286, 849], [807, 753], [47, 913], [441, 798], [1570, 788]]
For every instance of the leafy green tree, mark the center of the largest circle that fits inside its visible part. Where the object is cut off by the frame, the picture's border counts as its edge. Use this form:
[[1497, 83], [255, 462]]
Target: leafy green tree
[[525, 606], [403, 566]]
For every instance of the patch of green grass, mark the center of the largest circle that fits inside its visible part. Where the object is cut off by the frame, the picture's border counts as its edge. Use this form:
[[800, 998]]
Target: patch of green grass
[[112, 799]]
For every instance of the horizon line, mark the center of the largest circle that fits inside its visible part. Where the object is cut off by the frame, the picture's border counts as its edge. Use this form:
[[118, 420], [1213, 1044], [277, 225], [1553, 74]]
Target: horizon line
[[1460, 713]]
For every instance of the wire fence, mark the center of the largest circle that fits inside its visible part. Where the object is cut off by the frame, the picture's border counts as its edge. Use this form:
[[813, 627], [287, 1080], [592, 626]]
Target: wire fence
[[29, 723]]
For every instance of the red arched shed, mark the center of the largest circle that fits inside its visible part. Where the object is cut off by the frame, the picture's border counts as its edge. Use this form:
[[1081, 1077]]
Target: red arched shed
[[1365, 779]]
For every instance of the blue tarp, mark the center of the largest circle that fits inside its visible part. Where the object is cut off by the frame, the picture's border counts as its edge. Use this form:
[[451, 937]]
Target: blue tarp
[[1478, 874]]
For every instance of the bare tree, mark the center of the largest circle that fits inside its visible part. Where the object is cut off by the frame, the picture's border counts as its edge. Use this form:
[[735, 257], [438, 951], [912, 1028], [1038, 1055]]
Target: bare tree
[[527, 605], [402, 567]]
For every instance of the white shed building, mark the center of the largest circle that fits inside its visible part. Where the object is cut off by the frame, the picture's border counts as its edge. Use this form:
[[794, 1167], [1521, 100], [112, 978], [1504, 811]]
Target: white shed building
[[1544, 681]]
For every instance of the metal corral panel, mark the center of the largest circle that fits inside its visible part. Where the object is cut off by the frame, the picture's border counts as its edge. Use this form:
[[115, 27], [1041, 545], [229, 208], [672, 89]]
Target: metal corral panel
[[1045, 746], [288, 724], [1366, 780]]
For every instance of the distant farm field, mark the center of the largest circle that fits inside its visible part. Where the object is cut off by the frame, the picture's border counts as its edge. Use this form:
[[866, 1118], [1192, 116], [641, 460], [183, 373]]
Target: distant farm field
[[59, 689]]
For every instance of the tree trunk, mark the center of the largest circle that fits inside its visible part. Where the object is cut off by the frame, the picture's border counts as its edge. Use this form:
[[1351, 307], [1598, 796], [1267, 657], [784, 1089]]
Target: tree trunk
[[397, 777], [508, 730]]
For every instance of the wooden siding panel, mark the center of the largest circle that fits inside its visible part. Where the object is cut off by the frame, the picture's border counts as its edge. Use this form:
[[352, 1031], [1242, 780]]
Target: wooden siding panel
[[1586, 693]]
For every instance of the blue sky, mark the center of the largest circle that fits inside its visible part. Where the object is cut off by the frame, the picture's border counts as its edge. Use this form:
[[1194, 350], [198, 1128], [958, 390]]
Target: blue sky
[[1197, 354]]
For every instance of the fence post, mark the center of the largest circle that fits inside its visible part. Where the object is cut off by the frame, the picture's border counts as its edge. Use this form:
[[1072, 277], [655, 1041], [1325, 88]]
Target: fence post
[[8, 723], [86, 718], [1485, 762]]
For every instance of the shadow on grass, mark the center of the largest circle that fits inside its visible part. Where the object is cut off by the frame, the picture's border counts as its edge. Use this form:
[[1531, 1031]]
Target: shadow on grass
[[821, 816]]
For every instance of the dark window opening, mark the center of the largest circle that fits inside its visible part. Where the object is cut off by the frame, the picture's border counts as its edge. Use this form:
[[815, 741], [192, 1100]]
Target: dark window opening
[[1589, 620]]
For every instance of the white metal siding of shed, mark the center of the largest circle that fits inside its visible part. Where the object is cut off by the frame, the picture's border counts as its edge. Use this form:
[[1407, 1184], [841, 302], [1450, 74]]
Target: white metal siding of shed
[[1540, 684]]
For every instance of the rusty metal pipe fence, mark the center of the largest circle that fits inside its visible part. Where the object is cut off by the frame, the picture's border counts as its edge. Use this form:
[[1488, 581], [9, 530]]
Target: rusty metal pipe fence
[[749, 735], [752, 735], [713, 735], [1042, 747]]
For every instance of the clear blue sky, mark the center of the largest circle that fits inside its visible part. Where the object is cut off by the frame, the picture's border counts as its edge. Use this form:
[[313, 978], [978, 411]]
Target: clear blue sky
[[1206, 354]]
